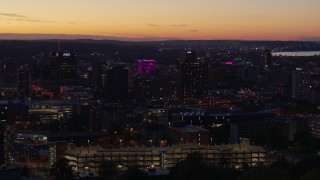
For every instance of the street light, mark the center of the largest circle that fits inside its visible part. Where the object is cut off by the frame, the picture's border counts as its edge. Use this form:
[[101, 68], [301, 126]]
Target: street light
[[120, 140]]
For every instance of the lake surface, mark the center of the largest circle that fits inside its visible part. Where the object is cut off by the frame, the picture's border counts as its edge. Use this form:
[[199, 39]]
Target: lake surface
[[297, 53]]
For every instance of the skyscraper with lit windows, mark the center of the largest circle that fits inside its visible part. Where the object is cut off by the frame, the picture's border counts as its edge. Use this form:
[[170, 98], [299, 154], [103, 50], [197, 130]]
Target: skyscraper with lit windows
[[24, 82], [193, 77], [146, 66], [3, 142], [117, 84], [63, 66]]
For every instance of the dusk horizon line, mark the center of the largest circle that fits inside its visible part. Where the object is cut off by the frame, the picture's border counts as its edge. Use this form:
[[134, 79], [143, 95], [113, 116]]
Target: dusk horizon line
[[45, 36]]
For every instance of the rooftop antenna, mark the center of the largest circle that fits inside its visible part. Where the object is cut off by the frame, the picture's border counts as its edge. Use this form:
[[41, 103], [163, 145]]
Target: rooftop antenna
[[59, 45]]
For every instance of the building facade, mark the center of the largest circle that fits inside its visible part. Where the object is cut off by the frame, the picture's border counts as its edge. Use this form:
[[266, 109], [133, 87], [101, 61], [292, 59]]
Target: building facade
[[146, 66], [24, 83], [231, 156], [117, 84], [193, 77], [3, 143], [63, 66]]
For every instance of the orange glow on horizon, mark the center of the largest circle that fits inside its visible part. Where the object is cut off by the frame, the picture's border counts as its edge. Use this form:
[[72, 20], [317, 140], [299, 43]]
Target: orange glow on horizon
[[178, 19]]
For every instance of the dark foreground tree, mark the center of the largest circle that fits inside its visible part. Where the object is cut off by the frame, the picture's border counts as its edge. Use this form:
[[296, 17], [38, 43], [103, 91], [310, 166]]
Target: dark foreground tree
[[61, 170], [313, 174], [107, 170], [302, 167], [193, 169], [189, 169], [265, 173], [133, 174], [25, 171]]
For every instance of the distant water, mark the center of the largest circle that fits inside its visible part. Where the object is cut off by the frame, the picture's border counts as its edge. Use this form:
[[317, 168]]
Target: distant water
[[297, 53]]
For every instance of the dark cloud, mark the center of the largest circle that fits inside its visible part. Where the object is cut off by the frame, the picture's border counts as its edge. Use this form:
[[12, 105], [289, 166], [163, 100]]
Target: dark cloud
[[172, 26], [194, 30], [18, 17], [12, 15], [154, 25], [30, 20], [180, 25], [15, 36]]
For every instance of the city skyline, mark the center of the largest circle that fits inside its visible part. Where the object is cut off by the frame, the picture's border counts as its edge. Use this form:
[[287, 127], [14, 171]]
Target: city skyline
[[158, 20]]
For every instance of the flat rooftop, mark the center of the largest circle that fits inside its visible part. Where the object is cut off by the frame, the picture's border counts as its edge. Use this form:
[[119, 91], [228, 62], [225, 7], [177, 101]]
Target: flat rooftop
[[96, 150], [190, 129]]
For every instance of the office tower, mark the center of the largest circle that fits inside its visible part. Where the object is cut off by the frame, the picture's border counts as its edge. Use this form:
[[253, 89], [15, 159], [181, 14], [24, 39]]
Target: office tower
[[153, 87], [24, 83], [13, 111], [117, 84], [3, 142], [4, 72], [63, 66], [193, 77], [146, 66], [190, 57], [314, 125], [300, 84], [267, 57], [96, 75], [38, 71]]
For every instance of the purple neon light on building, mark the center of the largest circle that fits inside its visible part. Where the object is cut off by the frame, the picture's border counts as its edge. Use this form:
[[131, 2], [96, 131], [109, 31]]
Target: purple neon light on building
[[146, 66]]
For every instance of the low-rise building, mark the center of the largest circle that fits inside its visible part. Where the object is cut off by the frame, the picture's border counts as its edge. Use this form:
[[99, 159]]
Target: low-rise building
[[77, 93], [314, 125], [230, 156], [51, 110], [189, 134]]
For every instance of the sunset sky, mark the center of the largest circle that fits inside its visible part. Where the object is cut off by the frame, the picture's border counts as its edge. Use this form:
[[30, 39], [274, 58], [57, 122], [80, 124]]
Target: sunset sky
[[165, 19]]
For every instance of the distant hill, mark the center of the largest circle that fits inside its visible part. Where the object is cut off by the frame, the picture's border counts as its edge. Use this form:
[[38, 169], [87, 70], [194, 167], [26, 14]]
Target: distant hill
[[16, 36], [128, 50]]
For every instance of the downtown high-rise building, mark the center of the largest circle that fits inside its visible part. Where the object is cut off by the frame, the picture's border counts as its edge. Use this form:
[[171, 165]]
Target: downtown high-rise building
[[3, 142], [146, 66], [267, 57], [300, 84], [63, 66], [267, 60], [96, 76], [193, 77], [304, 86], [24, 83], [117, 84]]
